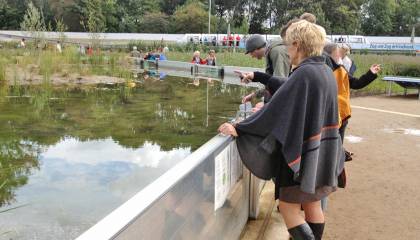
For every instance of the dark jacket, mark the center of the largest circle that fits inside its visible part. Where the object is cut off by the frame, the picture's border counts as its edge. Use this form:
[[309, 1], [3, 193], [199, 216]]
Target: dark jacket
[[271, 83], [300, 123]]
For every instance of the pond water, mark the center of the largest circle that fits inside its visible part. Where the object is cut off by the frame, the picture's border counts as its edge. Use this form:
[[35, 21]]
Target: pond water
[[69, 156]]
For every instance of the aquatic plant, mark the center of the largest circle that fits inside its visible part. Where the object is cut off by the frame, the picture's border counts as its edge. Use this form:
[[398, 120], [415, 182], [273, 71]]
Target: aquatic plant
[[2, 70]]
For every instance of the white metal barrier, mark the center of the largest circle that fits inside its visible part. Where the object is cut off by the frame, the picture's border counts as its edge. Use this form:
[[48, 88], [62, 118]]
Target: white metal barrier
[[205, 196]]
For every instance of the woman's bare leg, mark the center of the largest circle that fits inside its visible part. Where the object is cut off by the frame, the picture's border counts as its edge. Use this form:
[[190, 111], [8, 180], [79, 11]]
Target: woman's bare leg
[[291, 213], [314, 216], [295, 222], [313, 212]]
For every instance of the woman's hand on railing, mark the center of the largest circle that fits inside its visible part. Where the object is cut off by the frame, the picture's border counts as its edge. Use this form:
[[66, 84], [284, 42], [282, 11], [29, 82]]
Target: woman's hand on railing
[[227, 129]]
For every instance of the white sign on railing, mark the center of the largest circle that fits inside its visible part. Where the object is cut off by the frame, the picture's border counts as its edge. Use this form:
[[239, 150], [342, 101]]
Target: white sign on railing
[[228, 170]]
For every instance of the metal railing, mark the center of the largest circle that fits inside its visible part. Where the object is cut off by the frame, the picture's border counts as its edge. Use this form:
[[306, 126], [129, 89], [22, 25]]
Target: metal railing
[[205, 196], [185, 69]]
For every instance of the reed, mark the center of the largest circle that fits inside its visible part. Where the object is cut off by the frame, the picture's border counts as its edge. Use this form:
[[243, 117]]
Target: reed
[[3, 67]]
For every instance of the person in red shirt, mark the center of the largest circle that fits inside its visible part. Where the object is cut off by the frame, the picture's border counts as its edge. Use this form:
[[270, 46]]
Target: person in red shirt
[[197, 59], [230, 40], [89, 51], [224, 41], [238, 39]]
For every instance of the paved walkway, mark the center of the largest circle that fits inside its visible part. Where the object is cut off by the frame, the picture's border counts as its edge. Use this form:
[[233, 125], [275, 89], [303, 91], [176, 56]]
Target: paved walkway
[[382, 197]]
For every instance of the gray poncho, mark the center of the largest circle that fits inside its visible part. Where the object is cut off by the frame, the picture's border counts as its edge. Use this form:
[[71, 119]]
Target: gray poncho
[[301, 123]]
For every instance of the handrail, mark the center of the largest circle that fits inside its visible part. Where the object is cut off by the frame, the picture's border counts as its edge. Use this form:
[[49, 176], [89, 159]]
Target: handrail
[[118, 220], [225, 73]]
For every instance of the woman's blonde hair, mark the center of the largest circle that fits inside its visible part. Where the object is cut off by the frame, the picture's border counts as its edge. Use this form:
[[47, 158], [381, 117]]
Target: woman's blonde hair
[[310, 37]]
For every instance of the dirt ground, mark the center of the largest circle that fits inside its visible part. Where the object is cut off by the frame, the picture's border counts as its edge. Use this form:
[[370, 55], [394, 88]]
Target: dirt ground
[[382, 197]]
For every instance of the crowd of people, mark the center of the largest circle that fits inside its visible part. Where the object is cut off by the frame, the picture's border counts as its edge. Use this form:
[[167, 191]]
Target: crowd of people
[[39, 45], [158, 54], [295, 136], [231, 40]]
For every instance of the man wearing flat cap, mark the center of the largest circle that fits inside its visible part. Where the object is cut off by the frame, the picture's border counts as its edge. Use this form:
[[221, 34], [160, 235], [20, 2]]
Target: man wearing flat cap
[[277, 60]]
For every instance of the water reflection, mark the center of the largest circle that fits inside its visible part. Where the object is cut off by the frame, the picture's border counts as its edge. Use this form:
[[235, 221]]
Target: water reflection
[[69, 156], [96, 152], [75, 174], [17, 160]]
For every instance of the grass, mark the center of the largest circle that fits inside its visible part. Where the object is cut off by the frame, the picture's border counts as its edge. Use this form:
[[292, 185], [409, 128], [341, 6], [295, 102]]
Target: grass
[[390, 64], [3, 66], [115, 63], [48, 63], [223, 59]]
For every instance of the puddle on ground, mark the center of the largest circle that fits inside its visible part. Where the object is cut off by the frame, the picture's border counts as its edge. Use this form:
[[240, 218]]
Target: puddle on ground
[[353, 139], [407, 131]]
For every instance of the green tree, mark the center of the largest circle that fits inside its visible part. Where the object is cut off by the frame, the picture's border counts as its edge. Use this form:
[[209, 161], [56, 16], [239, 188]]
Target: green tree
[[342, 17], [154, 22], [11, 14], [279, 12], [47, 13], [230, 12], [109, 11], [406, 14], [33, 22], [169, 6], [132, 12], [92, 17], [191, 18], [377, 17], [61, 28], [17, 160], [258, 15]]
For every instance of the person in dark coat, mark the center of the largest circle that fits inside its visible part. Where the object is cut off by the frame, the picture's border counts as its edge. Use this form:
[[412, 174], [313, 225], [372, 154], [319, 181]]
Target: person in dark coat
[[295, 137]]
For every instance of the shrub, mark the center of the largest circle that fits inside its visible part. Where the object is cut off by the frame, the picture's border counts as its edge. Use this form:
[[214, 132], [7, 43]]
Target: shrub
[[409, 70]]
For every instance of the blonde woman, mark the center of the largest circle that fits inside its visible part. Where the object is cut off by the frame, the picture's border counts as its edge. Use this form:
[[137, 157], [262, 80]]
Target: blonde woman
[[294, 137], [196, 59], [211, 58]]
